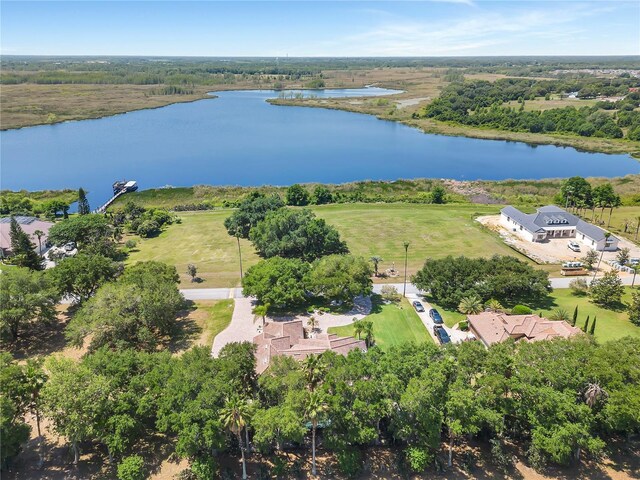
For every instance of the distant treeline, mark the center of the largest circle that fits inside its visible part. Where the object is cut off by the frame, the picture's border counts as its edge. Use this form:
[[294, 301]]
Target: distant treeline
[[481, 103], [207, 71]]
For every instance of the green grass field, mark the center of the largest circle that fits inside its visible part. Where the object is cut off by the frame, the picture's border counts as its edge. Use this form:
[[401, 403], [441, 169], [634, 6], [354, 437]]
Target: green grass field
[[369, 229], [217, 317], [392, 325], [611, 324]]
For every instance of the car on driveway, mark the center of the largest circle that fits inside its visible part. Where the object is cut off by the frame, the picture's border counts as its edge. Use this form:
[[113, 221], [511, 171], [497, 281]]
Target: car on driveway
[[574, 246], [441, 334], [418, 306], [435, 316]]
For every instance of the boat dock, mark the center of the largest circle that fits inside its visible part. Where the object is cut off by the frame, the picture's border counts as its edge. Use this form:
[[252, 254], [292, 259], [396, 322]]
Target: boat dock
[[119, 189]]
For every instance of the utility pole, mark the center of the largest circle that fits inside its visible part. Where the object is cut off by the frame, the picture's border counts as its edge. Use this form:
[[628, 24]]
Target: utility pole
[[406, 252]]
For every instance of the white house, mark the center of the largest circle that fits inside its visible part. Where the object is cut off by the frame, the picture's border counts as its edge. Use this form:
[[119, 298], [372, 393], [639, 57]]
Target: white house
[[553, 222]]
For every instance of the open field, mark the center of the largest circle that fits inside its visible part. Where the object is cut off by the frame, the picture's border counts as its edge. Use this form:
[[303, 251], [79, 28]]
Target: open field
[[554, 102], [368, 229], [210, 317], [392, 325], [611, 324]]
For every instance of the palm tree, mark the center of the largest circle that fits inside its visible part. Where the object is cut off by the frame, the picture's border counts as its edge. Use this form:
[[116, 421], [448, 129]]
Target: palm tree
[[261, 311], [312, 322], [314, 408], [367, 330], [39, 234], [313, 368], [493, 305], [376, 260], [358, 327], [470, 305], [234, 417], [560, 314]]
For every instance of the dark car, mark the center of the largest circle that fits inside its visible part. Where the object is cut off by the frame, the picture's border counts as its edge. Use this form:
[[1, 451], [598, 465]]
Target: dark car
[[435, 316], [442, 334], [418, 306]]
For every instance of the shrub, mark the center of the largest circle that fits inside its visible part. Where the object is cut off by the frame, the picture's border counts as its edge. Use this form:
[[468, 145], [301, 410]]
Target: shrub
[[204, 469], [297, 195], [389, 293], [418, 459], [349, 462], [148, 228], [130, 244], [579, 287], [521, 310], [464, 325], [501, 459], [131, 468]]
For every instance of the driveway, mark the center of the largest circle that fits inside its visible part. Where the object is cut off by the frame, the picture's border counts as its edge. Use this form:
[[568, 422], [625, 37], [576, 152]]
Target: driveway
[[242, 327], [456, 336]]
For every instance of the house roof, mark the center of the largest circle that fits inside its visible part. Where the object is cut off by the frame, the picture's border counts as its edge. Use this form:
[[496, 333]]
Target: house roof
[[287, 338], [552, 216], [28, 224], [492, 327]]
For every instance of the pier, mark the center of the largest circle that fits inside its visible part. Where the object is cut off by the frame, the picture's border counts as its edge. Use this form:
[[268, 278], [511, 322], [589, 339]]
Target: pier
[[119, 188]]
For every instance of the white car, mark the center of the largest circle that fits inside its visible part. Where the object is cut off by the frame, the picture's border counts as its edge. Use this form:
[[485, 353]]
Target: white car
[[573, 246]]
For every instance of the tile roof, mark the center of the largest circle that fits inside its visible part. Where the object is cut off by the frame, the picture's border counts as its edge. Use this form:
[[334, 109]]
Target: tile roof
[[492, 327], [287, 338]]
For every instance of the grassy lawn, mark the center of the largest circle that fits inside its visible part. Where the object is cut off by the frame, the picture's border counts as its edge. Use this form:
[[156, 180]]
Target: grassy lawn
[[205, 320], [392, 325], [611, 324], [369, 229]]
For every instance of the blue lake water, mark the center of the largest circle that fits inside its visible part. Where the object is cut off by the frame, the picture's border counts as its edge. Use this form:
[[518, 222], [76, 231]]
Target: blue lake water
[[240, 139]]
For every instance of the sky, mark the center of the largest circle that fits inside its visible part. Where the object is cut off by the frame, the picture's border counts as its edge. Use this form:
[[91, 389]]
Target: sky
[[320, 28]]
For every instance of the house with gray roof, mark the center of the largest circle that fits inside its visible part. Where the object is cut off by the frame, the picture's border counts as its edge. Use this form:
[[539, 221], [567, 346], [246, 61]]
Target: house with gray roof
[[552, 222]]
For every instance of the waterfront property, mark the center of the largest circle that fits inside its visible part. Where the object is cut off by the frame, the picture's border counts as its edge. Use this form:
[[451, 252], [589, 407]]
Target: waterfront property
[[552, 222], [495, 327], [287, 338], [29, 225]]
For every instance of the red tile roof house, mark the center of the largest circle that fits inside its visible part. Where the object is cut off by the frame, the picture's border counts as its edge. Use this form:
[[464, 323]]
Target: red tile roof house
[[492, 327], [287, 338]]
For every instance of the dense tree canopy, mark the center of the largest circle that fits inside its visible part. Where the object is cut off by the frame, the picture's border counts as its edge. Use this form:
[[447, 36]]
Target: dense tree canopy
[[25, 296], [80, 276], [295, 234], [503, 278], [340, 277], [277, 281], [251, 211], [297, 195], [92, 233], [22, 248]]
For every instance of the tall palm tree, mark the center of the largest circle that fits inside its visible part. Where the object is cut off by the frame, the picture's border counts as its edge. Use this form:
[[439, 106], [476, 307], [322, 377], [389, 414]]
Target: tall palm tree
[[376, 260], [234, 417], [261, 311], [35, 378], [314, 409], [39, 234], [313, 368]]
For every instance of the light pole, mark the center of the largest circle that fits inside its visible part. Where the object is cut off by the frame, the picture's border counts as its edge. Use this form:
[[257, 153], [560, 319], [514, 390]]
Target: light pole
[[406, 253], [239, 254], [606, 238]]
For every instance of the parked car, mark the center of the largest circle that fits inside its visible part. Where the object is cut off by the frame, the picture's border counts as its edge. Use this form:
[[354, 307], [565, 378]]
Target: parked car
[[573, 246], [435, 316], [418, 306], [441, 334], [70, 246]]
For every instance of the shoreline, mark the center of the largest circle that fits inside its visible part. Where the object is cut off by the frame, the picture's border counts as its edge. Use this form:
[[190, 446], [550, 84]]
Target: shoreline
[[432, 127]]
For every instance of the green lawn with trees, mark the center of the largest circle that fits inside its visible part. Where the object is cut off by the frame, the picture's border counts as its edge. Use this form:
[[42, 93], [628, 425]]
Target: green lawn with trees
[[368, 229], [393, 324]]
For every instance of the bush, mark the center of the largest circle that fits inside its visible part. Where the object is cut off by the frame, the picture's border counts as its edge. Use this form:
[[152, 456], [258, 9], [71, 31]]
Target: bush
[[418, 459], [349, 462], [499, 458], [521, 310], [130, 244], [389, 293], [148, 228], [131, 468], [204, 469], [297, 195], [464, 325], [579, 287]]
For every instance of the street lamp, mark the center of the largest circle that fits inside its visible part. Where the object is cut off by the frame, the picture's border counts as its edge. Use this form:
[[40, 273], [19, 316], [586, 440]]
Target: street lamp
[[406, 253], [606, 238]]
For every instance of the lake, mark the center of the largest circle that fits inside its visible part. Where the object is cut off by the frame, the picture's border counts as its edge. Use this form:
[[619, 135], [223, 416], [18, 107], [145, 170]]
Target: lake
[[240, 139]]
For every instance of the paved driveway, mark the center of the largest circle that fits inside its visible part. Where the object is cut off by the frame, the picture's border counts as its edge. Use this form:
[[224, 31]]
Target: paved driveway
[[242, 327], [457, 336]]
